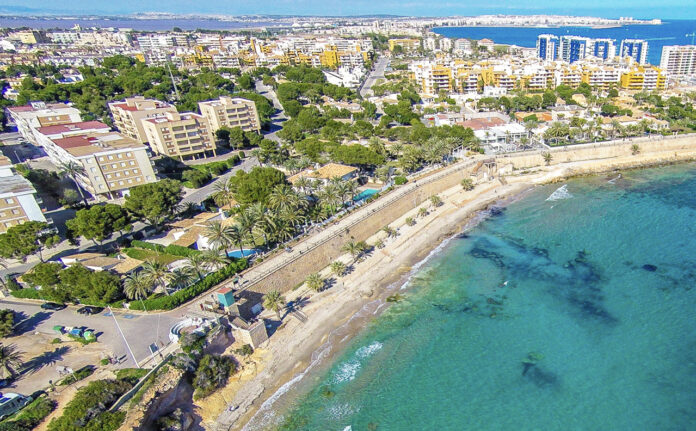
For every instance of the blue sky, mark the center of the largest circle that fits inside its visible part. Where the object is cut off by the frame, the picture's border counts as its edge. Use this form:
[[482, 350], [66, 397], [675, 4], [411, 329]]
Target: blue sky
[[684, 9]]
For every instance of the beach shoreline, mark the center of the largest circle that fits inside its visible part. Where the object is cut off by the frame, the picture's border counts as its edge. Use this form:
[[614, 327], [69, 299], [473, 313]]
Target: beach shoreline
[[341, 312]]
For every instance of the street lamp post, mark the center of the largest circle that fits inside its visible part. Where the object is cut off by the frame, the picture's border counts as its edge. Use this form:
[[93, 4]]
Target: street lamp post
[[124, 337]]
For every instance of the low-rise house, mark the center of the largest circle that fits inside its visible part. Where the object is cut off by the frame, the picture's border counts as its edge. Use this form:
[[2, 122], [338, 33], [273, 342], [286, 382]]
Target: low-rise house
[[327, 172]]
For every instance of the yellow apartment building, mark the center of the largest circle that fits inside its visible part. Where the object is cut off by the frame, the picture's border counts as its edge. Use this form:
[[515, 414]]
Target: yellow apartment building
[[129, 115], [231, 112], [180, 135]]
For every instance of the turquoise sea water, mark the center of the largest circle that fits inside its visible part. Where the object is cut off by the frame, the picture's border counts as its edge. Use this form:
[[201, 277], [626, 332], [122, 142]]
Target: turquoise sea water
[[575, 313]]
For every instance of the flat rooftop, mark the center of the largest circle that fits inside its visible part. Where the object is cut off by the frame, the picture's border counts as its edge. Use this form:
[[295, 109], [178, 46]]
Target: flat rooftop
[[94, 143], [72, 127], [16, 184]]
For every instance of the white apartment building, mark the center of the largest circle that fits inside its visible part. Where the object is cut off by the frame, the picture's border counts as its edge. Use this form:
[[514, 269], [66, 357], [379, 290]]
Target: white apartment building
[[46, 135], [112, 163], [679, 60], [637, 49], [129, 115], [18, 202], [39, 114], [231, 112]]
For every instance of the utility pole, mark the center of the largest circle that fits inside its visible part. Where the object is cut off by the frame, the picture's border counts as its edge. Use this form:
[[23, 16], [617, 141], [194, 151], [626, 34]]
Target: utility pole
[[124, 337]]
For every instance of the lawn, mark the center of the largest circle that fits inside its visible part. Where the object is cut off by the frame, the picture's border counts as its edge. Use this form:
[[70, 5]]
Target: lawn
[[145, 255]]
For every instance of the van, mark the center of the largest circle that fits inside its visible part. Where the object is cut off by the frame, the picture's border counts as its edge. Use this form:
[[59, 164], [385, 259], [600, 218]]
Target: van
[[11, 403]]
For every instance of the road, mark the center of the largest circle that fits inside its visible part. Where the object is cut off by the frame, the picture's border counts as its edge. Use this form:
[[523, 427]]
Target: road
[[376, 74], [199, 195], [279, 117]]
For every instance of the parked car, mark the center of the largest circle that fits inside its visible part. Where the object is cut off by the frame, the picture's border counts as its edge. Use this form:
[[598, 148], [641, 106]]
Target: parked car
[[88, 310], [11, 402], [53, 306]]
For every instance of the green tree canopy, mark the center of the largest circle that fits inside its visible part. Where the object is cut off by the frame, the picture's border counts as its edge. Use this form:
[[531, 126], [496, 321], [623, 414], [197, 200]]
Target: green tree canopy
[[154, 202], [99, 222], [256, 185], [26, 239]]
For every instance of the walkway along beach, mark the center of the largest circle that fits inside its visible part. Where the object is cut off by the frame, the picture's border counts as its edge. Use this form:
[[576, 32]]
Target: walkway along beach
[[344, 307]]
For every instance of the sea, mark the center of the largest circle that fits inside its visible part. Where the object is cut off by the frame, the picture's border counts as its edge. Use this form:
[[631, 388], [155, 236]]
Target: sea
[[571, 308], [141, 24], [672, 32]]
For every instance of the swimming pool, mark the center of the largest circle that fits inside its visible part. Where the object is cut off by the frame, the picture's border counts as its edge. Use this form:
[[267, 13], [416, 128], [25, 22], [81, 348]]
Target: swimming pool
[[365, 194], [238, 253]]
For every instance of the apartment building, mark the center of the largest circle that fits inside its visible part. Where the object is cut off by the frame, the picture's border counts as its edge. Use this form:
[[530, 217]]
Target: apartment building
[[679, 60], [18, 201], [432, 77], [180, 135], [129, 115], [603, 77], [576, 48], [547, 46], [642, 78], [112, 163], [405, 44], [637, 49], [231, 112], [45, 135], [40, 114]]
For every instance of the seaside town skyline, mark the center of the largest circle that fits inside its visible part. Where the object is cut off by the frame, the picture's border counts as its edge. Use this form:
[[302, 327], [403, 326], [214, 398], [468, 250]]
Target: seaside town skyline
[[265, 216]]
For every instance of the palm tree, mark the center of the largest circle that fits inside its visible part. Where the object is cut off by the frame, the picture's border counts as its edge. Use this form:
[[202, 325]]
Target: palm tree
[[72, 170], [182, 277], [314, 282], [238, 237], [273, 300], [198, 264], [390, 231], [305, 185], [422, 212], [547, 158], [410, 221], [10, 360], [265, 222], [218, 235], [467, 184], [338, 268], [215, 260], [283, 198], [157, 273], [435, 200], [353, 248], [635, 149], [223, 194], [137, 286]]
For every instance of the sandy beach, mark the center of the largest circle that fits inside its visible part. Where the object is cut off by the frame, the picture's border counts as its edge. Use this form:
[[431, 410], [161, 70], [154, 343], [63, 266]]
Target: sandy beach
[[334, 315]]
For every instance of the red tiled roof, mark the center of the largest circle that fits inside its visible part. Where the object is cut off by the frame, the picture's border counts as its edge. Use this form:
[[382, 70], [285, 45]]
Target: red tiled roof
[[71, 127], [224, 290], [73, 141], [125, 106], [482, 123]]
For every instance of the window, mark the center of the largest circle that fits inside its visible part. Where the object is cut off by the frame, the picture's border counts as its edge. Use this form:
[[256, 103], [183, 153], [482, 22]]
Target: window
[[112, 184], [108, 176], [15, 211], [111, 157], [135, 171], [9, 201], [132, 163], [120, 155], [2, 213], [101, 159], [101, 186], [123, 164], [118, 174], [114, 165], [93, 170], [120, 183], [149, 177], [130, 181], [129, 154]]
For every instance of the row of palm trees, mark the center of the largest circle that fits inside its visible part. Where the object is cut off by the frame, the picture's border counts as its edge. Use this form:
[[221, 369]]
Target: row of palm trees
[[155, 275], [286, 212]]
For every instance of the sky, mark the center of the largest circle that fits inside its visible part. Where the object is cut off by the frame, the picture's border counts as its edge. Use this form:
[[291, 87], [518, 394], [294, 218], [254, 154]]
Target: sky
[[682, 9]]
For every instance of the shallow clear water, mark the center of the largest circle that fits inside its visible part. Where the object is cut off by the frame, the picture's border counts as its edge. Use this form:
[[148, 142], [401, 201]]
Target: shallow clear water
[[575, 312]]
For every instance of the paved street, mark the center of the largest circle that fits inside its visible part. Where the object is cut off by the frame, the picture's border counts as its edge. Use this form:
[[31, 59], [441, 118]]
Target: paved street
[[199, 195], [376, 74]]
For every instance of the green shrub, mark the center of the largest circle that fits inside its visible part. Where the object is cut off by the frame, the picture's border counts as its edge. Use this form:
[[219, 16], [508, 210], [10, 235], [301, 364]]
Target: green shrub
[[7, 318], [87, 411], [104, 361], [56, 341], [147, 245], [178, 250], [30, 416], [131, 375], [196, 177], [27, 293], [242, 155], [163, 302], [212, 373], [78, 375], [400, 181]]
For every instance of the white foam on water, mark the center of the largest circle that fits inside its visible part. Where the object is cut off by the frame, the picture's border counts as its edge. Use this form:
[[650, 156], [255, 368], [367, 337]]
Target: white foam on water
[[340, 411], [560, 193], [348, 370]]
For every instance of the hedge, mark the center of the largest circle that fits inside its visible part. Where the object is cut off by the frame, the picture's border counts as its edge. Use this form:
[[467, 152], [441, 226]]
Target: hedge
[[164, 302], [148, 245], [30, 416], [400, 180], [178, 250], [174, 249], [28, 293]]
